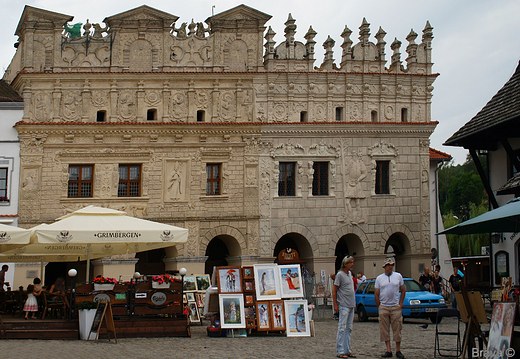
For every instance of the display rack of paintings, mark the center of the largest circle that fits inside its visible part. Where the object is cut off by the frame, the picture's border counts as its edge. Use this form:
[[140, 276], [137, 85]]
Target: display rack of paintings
[[229, 280], [232, 312]]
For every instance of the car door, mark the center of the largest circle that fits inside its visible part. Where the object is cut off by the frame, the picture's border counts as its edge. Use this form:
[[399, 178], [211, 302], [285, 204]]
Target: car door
[[369, 299]]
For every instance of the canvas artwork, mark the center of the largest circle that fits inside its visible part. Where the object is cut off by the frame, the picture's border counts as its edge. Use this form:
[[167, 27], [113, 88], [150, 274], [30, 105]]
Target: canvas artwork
[[267, 283], [501, 329], [249, 312], [194, 312], [291, 280], [200, 299], [297, 318], [249, 286], [262, 316], [202, 281], [248, 272], [229, 280], [277, 315], [232, 313], [250, 300], [211, 301], [189, 283], [191, 297]]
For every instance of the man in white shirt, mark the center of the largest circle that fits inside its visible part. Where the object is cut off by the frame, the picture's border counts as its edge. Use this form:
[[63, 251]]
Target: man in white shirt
[[344, 297], [390, 306]]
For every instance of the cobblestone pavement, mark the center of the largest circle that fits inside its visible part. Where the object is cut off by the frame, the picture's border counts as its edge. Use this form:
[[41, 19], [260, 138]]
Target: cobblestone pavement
[[417, 343]]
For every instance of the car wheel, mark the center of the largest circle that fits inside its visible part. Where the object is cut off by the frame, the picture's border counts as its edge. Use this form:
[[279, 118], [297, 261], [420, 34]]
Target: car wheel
[[433, 319], [362, 314]]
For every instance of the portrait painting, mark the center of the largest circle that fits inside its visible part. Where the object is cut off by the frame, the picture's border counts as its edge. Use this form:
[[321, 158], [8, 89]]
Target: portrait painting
[[229, 280], [248, 272], [297, 318], [267, 282], [501, 328], [249, 286], [277, 315], [200, 299], [249, 312], [232, 313], [291, 280], [194, 312], [262, 316]]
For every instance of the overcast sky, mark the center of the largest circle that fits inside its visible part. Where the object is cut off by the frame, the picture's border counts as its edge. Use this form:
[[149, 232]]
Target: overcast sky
[[476, 46]]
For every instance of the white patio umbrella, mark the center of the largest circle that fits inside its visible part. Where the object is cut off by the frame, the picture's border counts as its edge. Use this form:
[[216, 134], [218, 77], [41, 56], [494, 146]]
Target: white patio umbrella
[[97, 232], [12, 237]]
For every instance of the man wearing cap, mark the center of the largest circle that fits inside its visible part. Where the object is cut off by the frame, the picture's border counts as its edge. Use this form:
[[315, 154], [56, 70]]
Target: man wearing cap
[[390, 306], [344, 298]]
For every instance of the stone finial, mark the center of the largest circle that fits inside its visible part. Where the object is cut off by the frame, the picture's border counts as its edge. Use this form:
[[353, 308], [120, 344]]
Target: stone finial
[[328, 45], [427, 33], [411, 49], [396, 56], [364, 32], [381, 43], [411, 37], [346, 45], [191, 28], [309, 45], [269, 43], [87, 28], [290, 29]]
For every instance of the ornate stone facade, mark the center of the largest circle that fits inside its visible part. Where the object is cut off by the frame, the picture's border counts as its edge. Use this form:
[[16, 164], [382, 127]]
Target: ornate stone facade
[[173, 98]]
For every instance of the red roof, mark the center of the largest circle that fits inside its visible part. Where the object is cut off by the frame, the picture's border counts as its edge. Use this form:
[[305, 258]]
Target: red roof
[[438, 155]]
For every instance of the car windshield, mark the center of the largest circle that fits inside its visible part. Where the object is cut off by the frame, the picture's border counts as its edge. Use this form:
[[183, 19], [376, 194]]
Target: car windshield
[[413, 286]]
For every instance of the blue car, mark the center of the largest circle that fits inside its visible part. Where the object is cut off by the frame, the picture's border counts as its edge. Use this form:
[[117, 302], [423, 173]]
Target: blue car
[[418, 302]]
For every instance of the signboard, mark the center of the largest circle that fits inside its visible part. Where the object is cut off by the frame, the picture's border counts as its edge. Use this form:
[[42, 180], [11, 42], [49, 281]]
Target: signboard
[[103, 312]]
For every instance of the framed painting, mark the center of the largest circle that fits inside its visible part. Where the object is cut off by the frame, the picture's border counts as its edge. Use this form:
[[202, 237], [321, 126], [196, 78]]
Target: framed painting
[[200, 299], [229, 280], [267, 282], [250, 323], [297, 318], [191, 296], [262, 316], [203, 282], [291, 281], [249, 312], [250, 300], [211, 301], [194, 312], [232, 313], [185, 298], [277, 315], [189, 283], [501, 328], [248, 272], [249, 286]]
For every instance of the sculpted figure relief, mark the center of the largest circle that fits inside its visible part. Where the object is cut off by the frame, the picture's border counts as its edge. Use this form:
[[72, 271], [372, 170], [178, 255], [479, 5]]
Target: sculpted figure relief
[[175, 186], [355, 172]]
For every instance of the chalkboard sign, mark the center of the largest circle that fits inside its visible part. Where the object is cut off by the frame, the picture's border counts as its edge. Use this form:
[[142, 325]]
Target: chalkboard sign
[[104, 311]]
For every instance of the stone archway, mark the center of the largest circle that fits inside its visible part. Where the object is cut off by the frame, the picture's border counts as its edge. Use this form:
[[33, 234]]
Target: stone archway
[[299, 243], [348, 245], [398, 246]]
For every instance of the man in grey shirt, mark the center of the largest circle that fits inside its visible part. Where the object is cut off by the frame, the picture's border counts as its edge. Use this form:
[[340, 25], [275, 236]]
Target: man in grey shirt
[[344, 298]]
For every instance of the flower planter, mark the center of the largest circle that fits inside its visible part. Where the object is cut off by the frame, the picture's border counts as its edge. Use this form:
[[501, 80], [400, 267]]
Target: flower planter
[[86, 317], [157, 285], [105, 286]]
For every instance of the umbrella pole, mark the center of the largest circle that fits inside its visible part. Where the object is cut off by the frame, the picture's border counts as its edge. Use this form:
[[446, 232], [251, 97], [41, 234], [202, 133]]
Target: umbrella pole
[[88, 263], [42, 267]]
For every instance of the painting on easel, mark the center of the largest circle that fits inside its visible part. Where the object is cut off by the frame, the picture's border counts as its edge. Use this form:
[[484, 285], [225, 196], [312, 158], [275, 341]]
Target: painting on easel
[[501, 329]]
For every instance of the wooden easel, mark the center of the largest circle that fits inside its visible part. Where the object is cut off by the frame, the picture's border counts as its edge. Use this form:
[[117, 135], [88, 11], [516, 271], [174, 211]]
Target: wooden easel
[[103, 311], [473, 313]]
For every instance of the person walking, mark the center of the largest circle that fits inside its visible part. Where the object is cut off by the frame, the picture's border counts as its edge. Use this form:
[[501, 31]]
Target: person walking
[[343, 295], [387, 287], [3, 283], [454, 286]]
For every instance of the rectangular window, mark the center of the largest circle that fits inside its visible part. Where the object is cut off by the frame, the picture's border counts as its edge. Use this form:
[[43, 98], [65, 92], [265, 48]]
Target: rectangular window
[[100, 116], [213, 179], [129, 181], [339, 113], [80, 181], [286, 181], [320, 181], [200, 116], [303, 116], [151, 115], [382, 177], [3, 184]]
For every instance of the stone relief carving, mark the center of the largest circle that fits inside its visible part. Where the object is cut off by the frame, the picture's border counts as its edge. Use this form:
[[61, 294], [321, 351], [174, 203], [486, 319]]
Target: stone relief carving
[[179, 106], [152, 98], [99, 98], [287, 149], [251, 177], [252, 238], [193, 239], [176, 180], [389, 112], [279, 111], [41, 107], [323, 149], [355, 173], [127, 105], [71, 105], [227, 110], [310, 176], [383, 149], [202, 99]]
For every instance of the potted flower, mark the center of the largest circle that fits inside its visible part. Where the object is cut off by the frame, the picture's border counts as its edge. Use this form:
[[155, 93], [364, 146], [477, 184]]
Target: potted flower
[[104, 283], [161, 281], [87, 312]]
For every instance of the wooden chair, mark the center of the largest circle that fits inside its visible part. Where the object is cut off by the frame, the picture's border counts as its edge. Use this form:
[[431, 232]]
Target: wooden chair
[[54, 303]]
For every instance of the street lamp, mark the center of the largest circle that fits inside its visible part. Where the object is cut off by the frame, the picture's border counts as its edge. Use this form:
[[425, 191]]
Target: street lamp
[[72, 273]]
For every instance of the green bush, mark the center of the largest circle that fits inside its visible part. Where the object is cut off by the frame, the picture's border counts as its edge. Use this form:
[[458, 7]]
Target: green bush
[[86, 305]]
